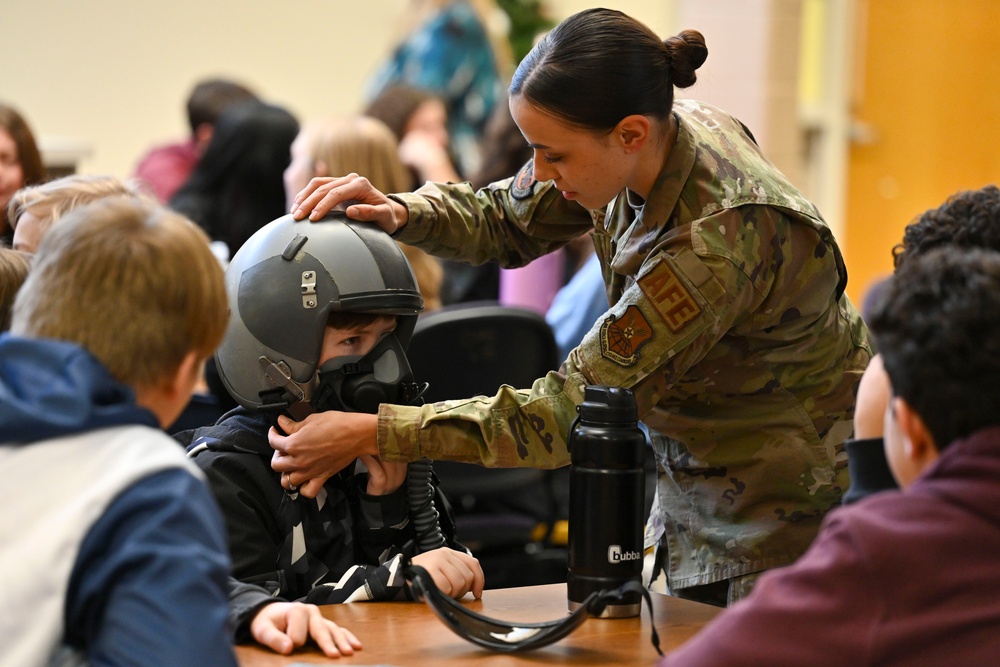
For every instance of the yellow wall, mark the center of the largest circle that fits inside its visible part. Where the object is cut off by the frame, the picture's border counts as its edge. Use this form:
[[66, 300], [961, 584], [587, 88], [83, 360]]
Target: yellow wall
[[928, 101]]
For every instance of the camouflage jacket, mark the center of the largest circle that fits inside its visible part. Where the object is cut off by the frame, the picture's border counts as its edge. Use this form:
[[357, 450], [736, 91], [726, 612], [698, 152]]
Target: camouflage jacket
[[728, 320]]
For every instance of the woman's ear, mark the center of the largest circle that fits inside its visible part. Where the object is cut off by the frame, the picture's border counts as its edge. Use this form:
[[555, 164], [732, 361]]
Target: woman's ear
[[320, 169], [633, 131]]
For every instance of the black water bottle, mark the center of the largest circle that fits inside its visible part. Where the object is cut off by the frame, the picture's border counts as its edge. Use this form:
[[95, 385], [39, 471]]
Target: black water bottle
[[606, 498]]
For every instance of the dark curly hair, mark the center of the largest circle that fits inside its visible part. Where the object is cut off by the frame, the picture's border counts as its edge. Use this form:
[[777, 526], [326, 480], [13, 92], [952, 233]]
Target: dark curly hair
[[937, 330], [969, 219]]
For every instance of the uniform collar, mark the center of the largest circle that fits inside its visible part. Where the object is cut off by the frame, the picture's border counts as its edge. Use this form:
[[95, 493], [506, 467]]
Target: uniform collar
[[667, 189]]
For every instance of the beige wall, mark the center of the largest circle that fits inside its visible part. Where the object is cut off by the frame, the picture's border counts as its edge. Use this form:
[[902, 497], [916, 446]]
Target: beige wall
[[114, 74], [111, 76]]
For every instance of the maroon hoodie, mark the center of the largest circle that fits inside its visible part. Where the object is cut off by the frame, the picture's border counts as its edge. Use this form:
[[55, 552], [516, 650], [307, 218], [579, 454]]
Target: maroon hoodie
[[901, 578]]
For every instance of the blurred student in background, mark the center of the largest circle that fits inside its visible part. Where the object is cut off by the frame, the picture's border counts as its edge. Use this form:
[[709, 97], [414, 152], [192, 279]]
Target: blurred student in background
[[419, 120], [33, 210], [165, 168], [20, 162], [341, 145], [458, 49], [236, 188]]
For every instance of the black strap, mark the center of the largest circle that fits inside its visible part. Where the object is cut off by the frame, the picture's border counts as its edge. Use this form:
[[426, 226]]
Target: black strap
[[510, 637], [632, 587]]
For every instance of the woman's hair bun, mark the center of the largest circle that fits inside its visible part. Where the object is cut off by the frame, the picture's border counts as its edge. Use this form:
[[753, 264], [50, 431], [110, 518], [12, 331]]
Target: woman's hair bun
[[687, 52]]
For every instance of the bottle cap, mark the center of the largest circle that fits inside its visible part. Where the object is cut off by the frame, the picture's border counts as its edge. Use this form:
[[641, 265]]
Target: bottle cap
[[608, 405]]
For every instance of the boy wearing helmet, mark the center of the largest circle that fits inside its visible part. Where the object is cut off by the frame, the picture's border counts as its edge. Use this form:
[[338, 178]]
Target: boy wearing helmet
[[320, 318]]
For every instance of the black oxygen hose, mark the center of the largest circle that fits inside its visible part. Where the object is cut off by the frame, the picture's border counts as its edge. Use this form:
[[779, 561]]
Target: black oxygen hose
[[423, 511]]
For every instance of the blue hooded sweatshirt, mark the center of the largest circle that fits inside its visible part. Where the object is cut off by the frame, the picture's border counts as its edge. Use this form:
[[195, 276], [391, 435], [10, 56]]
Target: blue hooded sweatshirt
[[149, 579], [50, 388]]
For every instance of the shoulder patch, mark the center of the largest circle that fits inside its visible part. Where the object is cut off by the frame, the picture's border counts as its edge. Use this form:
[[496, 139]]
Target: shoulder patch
[[622, 337], [523, 185], [669, 296]]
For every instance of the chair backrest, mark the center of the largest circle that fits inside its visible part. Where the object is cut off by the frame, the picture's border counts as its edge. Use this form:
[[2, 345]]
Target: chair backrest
[[469, 349]]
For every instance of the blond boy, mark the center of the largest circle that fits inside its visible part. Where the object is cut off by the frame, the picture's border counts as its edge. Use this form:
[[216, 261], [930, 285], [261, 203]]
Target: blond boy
[[110, 536]]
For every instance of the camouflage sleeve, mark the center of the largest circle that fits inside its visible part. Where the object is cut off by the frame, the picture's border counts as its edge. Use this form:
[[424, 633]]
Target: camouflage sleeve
[[512, 221], [681, 305], [514, 428]]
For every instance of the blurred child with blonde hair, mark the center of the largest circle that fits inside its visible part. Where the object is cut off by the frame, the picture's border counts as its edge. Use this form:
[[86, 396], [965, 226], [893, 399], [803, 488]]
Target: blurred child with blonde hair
[[341, 145]]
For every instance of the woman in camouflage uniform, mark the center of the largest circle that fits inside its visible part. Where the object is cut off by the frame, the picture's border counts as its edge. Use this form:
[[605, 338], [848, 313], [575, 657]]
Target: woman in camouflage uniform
[[728, 317]]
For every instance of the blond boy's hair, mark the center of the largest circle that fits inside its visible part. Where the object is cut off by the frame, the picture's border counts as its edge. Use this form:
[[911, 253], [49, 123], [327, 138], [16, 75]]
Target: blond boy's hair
[[50, 201], [133, 283]]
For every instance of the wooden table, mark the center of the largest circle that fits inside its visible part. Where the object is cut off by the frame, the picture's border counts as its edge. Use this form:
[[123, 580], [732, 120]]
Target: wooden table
[[409, 634]]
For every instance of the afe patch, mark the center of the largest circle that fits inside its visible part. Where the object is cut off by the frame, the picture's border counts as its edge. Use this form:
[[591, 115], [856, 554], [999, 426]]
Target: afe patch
[[523, 185], [669, 297], [621, 338]]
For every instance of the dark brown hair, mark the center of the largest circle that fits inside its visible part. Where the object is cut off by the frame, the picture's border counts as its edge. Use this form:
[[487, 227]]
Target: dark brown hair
[[600, 65], [208, 99], [27, 149], [396, 104]]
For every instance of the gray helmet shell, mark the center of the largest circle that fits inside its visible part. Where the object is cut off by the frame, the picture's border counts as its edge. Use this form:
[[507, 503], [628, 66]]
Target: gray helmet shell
[[287, 279]]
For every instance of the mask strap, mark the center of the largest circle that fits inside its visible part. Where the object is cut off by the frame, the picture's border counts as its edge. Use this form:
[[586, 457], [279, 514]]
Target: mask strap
[[510, 637]]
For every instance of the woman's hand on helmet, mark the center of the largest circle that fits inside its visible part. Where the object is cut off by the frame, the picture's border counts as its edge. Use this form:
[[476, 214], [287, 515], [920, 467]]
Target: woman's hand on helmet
[[384, 477], [361, 199], [319, 446]]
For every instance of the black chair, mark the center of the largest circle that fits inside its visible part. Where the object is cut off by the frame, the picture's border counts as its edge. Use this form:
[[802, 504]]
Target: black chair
[[506, 516], [468, 349]]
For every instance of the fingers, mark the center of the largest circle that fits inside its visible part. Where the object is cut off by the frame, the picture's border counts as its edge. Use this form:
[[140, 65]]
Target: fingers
[[376, 475], [312, 488], [455, 580], [314, 192], [297, 622], [455, 573], [374, 465], [478, 579], [332, 639], [267, 634], [280, 461], [286, 482], [288, 425], [283, 626], [322, 195], [307, 191], [367, 212], [364, 202], [309, 488], [383, 477], [293, 480]]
